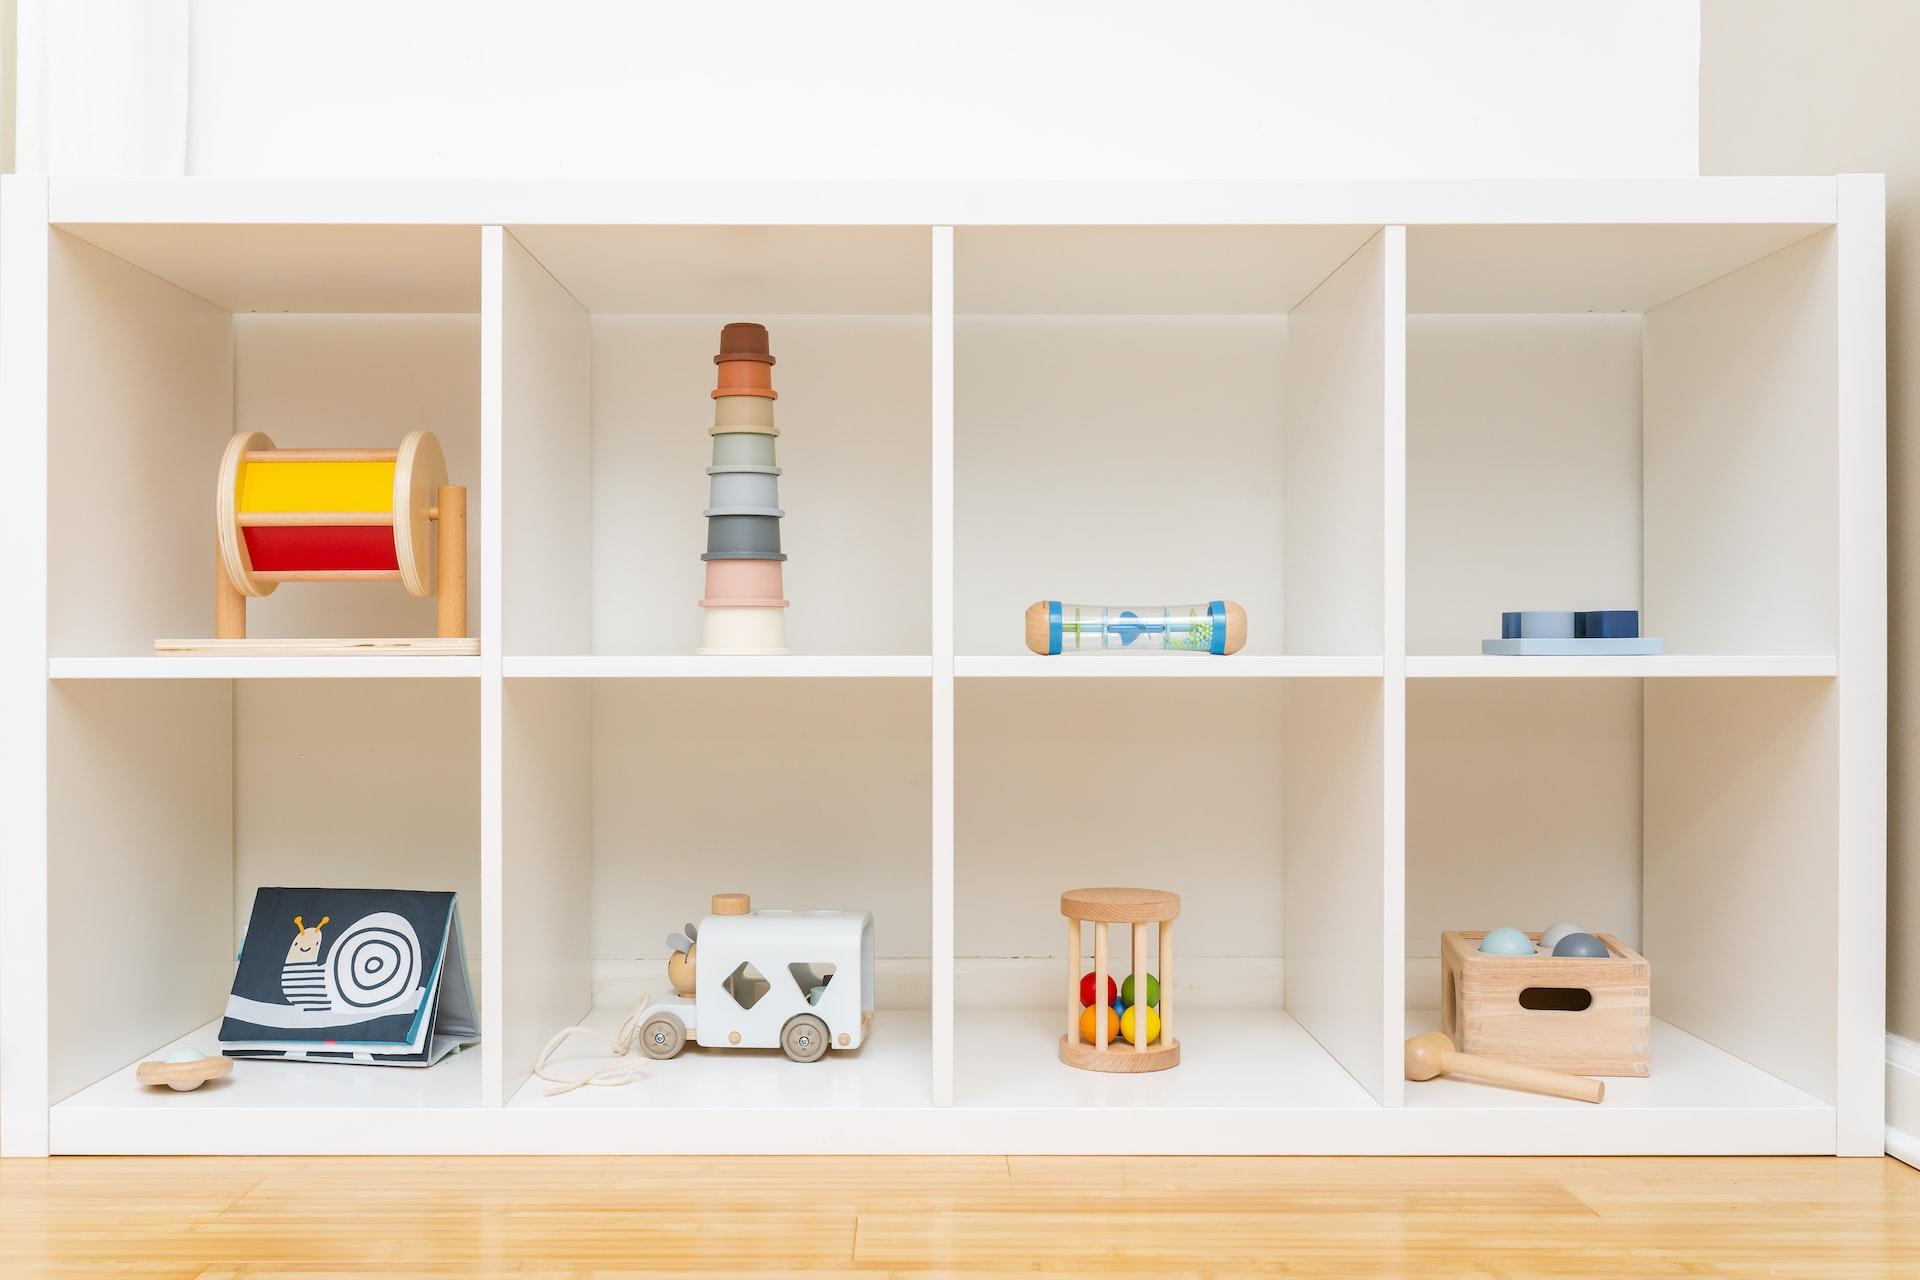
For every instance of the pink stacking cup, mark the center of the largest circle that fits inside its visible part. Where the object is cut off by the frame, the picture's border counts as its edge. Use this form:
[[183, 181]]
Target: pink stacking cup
[[745, 582]]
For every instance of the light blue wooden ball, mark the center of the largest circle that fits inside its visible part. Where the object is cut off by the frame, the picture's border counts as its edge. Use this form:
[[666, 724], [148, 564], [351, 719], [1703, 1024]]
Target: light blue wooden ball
[[1554, 932], [186, 1053], [1507, 942], [1583, 946]]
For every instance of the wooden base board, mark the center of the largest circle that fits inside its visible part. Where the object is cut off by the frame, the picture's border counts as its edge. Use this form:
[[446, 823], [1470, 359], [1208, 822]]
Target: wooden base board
[[422, 646], [1121, 1061]]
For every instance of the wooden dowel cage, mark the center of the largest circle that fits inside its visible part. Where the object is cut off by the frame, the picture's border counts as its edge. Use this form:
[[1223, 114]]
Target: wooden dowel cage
[[1135, 908]]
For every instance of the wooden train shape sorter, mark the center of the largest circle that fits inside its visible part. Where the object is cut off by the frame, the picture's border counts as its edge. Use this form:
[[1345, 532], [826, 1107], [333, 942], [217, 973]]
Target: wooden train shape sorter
[[336, 515]]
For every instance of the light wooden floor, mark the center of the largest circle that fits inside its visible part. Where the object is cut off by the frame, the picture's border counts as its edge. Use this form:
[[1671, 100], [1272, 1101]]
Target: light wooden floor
[[969, 1216]]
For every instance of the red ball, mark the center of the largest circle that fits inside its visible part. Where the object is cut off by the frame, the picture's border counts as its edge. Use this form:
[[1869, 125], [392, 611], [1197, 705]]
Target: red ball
[[1086, 991]]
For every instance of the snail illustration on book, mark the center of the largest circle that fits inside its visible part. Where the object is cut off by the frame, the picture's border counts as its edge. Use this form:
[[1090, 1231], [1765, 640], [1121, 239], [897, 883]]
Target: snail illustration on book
[[371, 970]]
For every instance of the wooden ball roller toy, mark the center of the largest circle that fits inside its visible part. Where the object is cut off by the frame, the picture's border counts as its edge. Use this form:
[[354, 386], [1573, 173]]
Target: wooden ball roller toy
[[1098, 1047], [337, 515], [1433, 1054], [1218, 626]]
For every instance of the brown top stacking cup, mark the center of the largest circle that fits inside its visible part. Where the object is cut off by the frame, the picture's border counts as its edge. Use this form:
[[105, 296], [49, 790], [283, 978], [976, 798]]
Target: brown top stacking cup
[[743, 340]]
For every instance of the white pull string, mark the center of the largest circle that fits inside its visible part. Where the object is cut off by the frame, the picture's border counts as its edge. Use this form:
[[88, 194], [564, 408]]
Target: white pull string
[[616, 1073]]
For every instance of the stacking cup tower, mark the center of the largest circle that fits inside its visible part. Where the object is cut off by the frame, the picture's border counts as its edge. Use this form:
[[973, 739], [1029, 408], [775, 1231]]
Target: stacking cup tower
[[745, 592]]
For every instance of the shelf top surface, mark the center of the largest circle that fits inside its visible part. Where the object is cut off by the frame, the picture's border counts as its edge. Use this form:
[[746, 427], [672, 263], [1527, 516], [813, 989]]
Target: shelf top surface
[[587, 202]]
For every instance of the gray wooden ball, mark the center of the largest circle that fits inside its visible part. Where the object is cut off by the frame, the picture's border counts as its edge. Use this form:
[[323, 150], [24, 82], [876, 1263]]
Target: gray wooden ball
[[1583, 946]]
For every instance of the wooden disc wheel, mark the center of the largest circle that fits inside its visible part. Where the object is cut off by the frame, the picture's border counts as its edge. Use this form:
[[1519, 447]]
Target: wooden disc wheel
[[419, 469], [1137, 909]]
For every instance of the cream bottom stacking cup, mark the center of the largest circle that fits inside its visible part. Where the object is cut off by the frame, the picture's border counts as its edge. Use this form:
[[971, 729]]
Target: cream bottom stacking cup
[[743, 630]]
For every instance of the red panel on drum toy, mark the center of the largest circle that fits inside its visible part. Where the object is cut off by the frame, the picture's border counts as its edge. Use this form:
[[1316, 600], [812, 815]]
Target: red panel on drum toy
[[304, 548]]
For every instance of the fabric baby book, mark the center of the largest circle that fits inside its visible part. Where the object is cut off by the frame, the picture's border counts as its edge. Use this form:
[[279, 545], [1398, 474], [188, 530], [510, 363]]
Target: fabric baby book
[[351, 975]]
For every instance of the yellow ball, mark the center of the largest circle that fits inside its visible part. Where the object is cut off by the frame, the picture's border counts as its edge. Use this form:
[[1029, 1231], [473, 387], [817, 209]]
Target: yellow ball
[[1088, 1029], [1128, 1026]]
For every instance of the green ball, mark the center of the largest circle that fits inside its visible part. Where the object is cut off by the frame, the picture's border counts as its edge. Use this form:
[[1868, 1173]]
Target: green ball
[[1153, 992]]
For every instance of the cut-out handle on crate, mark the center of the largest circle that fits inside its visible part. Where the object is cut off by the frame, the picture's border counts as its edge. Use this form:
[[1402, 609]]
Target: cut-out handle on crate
[[1556, 999]]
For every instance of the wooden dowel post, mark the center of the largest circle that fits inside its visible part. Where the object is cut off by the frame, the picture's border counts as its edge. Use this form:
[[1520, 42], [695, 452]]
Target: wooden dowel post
[[1073, 980], [229, 606], [1105, 1016], [1137, 935], [452, 569], [1166, 982]]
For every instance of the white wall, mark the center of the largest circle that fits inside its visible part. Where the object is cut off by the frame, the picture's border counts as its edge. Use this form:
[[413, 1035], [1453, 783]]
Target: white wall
[[871, 88]]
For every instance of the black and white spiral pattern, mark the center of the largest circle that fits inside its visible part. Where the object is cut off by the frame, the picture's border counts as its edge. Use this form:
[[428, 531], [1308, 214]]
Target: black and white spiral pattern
[[376, 960]]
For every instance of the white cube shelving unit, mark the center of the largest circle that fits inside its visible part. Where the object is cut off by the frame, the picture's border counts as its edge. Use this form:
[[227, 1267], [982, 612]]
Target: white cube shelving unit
[[1375, 413]]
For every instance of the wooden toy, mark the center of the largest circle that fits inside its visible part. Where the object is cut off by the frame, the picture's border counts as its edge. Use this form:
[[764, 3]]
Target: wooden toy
[[1218, 626], [336, 515], [1580, 946], [1580, 1015], [1135, 908], [797, 981], [1086, 990], [183, 1070], [1551, 935], [1433, 1054], [1507, 942]]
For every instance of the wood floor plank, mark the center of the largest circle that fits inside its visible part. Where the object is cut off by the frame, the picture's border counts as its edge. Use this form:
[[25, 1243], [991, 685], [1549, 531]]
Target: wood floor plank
[[965, 1218]]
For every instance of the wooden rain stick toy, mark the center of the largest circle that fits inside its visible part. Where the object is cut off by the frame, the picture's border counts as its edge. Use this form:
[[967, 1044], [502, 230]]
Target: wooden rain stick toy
[[1218, 626], [1433, 1054], [336, 515]]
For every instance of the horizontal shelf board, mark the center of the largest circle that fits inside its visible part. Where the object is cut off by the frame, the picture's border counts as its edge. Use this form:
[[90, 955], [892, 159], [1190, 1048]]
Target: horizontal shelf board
[[893, 1069], [1257, 1059], [1652, 666], [1250, 1082], [244, 667], [253, 1087], [341, 269], [687, 666], [1506, 269], [1177, 665], [1688, 1075], [640, 202]]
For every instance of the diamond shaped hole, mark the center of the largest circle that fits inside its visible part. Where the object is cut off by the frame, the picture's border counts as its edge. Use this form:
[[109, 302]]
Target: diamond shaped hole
[[745, 985], [812, 979]]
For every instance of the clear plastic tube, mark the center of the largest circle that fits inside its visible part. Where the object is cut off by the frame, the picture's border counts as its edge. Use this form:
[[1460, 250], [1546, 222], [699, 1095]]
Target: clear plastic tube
[[1057, 627]]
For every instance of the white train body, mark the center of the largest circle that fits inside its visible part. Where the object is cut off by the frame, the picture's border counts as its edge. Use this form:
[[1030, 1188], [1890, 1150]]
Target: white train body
[[760, 971]]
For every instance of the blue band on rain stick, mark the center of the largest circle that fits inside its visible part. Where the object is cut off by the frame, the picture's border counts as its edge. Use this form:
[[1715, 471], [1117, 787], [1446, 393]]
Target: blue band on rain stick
[[1053, 626], [1217, 613]]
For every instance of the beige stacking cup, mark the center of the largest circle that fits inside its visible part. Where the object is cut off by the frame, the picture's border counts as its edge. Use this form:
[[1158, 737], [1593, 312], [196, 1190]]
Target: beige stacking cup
[[743, 413]]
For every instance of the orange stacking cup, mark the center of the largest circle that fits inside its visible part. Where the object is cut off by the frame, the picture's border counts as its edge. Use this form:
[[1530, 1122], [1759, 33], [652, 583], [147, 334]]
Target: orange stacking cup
[[744, 582]]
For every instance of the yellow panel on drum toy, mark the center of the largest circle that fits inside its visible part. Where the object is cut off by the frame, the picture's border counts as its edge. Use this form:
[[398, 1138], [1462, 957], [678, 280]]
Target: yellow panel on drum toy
[[1109, 1040], [336, 515]]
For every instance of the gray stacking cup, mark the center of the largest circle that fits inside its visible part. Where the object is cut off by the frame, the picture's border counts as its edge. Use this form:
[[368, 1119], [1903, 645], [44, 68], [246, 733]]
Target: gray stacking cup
[[742, 530], [742, 449], [743, 486]]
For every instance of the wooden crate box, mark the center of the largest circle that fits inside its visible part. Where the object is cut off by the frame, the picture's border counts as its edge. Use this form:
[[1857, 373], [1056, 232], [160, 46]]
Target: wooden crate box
[[1526, 1009]]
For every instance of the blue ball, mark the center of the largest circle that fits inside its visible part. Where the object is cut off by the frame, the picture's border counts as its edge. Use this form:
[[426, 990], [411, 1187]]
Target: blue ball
[[1583, 946], [1507, 942]]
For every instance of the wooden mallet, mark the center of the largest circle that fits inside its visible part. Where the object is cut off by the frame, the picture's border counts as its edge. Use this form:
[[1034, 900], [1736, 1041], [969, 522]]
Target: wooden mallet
[[1431, 1054]]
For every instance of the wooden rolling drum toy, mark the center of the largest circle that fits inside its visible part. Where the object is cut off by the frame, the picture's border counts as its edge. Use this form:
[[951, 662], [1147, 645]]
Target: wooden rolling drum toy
[[1136, 908], [337, 515]]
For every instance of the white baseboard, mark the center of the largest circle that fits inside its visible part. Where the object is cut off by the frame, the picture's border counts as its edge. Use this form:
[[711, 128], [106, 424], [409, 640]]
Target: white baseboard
[[1903, 1100]]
